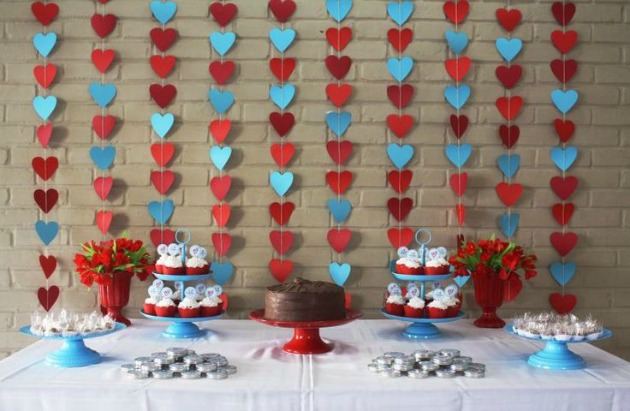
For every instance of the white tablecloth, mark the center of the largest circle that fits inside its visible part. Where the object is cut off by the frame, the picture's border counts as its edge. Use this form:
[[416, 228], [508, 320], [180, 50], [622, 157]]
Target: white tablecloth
[[270, 379]]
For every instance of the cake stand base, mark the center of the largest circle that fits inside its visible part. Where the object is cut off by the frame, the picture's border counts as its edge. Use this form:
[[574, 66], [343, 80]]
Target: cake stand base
[[556, 356], [422, 331], [183, 330], [73, 353], [307, 341]]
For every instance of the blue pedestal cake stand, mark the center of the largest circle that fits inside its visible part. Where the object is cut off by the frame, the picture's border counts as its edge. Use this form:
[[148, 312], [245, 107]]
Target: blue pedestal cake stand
[[181, 328]]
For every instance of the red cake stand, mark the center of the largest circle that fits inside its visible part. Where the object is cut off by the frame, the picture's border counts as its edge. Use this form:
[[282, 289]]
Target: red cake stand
[[306, 339]]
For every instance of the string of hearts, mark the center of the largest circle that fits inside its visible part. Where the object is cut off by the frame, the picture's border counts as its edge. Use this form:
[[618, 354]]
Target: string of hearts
[[399, 124], [162, 122], [282, 122], [221, 71], [563, 156], [44, 105]]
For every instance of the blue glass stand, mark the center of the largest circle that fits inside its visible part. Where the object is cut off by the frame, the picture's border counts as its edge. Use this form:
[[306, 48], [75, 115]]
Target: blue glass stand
[[182, 328], [422, 328]]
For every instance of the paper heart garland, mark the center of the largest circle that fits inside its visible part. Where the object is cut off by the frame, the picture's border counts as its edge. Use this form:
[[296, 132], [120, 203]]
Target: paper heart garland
[[282, 39], [563, 273], [512, 288], [221, 213], [509, 19], [221, 71], [48, 296], [281, 213], [509, 194], [282, 96], [456, 12], [162, 153], [563, 70], [339, 209], [282, 68], [44, 133], [162, 180], [221, 101], [103, 94], [221, 274], [338, 94], [509, 107], [103, 59], [563, 158], [162, 65], [339, 39], [282, 123], [338, 67], [163, 11], [400, 155], [103, 186], [340, 273], [161, 211], [163, 38], [339, 182], [44, 43], [46, 200], [563, 12], [220, 129], [103, 25], [461, 280], [400, 96], [44, 106], [222, 42], [564, 101], [400, 237], [339, 151], [104, 220], [399, 208], [220, 156], [400, 39], [457, 96], [46, 231], [457, 41], [162, 95], [562, 304], [509, 223], [45, 13], [563, 243], [457, 68], [399, 11], [103, 157], [458, 155], [282, 153], [338, 9], [459, 124], [460, 212], [282, 9], [220, 186], [562, 212], [48, 264], [281, 241], [400, 68], [509, 48], [564, 41], [338, 123], [458, 183], [222, 243], [564, 187], [45, 168], [400, 180], [281, 182], [223, 13], [103, 125], [45, 75], [281, 270], [509, 135], [400, 125], [166, 236], [509, 164], [509, 76]]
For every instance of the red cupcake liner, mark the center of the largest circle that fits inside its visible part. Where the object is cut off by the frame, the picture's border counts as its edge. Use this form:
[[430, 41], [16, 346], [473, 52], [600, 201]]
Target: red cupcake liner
[[174, 270], [210, 311], [189, 312], [413, 312], [165, 311], [403, 269], [443, 269], [159, 268], [434, 312], [395, 309], [198, 270], [148, 308]]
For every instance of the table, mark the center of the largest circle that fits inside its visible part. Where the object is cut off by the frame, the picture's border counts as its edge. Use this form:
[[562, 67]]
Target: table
[[269, 379]]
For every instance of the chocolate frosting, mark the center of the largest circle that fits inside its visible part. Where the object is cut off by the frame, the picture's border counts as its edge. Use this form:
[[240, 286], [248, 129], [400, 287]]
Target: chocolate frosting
[[300, 285]]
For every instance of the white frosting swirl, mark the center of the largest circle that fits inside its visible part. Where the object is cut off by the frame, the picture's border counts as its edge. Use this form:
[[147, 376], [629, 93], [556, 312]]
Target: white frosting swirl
[[408, 262], [173, 261], [165, 302], [189, 303], [151, 300], [416, 302], [196, 262], [210, 302], [441, 304], [161, 260], [395, 299], [439, 262], [451, 301]]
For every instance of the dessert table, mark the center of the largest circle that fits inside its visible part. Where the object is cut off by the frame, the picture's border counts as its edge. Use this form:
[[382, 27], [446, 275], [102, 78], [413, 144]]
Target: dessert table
[[270, 379]]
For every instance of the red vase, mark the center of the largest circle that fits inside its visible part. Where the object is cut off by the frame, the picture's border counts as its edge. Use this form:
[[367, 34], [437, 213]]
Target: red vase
[[115, 296], [489, 297]]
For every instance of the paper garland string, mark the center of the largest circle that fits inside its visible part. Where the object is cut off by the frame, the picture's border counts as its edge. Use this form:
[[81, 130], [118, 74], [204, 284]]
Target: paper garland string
[[44, 105], [400, 124], [563, 156], [162, 121]]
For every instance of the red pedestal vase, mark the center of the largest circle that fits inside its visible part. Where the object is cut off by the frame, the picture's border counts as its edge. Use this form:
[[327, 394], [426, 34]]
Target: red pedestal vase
[[115, 296], [489, 297]]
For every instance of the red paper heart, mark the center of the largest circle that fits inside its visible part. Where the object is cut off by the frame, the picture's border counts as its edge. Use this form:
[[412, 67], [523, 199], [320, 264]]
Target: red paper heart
[[281, 213], [400, 39], [222, 243], [509, 19], [162, 153], [509, 193], [221, 214], [564, 42], [281, 241], [282, 68], [338, 66], [339, 151], [221, 71], [45, 13], [509, 107], [400, 237], [563, 70], [282, 9], [45, 168], [460, 211], [104, 220], [339, 39], [563, 243], [282, 123], [48, 264], [564, 187], [509, 75], [103, 125], [562, 304], [512, 288], [282, 153], [103, 25], [48, 297], [162, 180], [281, 270], [220, 186], [400, 180], [456, 12], [162, 66], [163, 38], [459, 124], [226, 301], [46, 200], [102, 59], [223, 13], [162, 95], [45, 75], [338, 94], [103, 186], [348, 299], [399, 208], [165, 236], [339, 182], [339, 239], [44, 132], [458, 183], [400, 96], [563, 12], [457, 68], [220, 129], [400, 125], [562, 212], [509, 135]]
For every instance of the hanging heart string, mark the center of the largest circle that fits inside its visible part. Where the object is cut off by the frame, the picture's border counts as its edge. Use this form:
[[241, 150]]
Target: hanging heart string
[[44, 105], [563, 157]]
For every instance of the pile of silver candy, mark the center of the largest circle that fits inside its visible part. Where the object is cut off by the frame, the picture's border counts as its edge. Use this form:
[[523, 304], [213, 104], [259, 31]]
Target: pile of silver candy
[[178, 362], [444, 363]]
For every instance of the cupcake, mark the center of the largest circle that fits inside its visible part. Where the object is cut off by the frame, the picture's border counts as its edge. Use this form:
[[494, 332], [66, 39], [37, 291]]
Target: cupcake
[[395, 305], [454, 305], [149, 305], [414, 307], [159, 264], [165, 308], [197, 266], [173, 265], [406, 265], [211, 306], [437, 309], [437, 267], [188, 308]]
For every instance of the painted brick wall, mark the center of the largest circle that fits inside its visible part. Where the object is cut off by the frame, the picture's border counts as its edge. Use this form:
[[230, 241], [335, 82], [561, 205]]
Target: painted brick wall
[[602, 219]]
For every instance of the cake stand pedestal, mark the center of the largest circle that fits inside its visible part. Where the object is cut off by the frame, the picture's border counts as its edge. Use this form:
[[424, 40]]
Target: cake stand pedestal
[[182, 328]]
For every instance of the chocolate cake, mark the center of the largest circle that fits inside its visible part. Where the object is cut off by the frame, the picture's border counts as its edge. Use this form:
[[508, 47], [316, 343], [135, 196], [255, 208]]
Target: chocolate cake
[[304, 300]]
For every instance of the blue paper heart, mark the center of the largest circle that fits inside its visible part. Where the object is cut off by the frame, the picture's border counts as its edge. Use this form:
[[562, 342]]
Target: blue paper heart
[[563, 273], [338, 9], [400, 12], [221, 272], [339, 273], [340, 209], [221, 100], [281, 182], [162, 123], [564, 158], [161, 211], [163, 11], [44, 43], [509, 164], [282, 95], [399, 155], [461, 280], [222, 42], [457, 96], [509, 223], [509, 48], [458, 155], [282, 39], [46, 231], [338, 123], [564, 100], [103, 157], [44, 106], [103, 94], [220, 156], [400, 68], [456, 40]]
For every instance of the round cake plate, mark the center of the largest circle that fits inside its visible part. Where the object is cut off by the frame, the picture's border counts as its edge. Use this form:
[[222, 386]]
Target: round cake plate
[[556, 354], [306, 338], [423, 278], [184, 278], [73, 352], [182, 328], [422, 328]]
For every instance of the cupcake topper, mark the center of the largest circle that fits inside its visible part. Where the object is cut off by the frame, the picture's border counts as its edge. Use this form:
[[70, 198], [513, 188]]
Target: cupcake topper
[[218, 289], [198, 251], [452, 290], [210, 292], [158, 284], [173, 249], [412, 291], [394, 289], [153, 291], [413, 255], [166, 292], [178, 285], [182, 236], [190, 292], [402, 252], [201, 288], [423, 244], [439, 294], [162, 249]]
